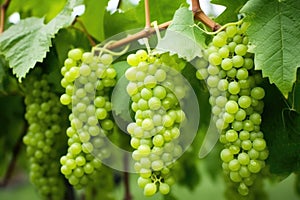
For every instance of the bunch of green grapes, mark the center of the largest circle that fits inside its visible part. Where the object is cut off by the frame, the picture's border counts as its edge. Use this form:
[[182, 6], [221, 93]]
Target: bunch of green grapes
[[44, 139], [237, 104], [155, 91], [88, 81]]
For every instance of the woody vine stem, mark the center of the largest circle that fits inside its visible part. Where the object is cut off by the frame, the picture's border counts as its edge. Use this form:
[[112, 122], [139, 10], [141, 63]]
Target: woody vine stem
[[198, 14], [4, 7]]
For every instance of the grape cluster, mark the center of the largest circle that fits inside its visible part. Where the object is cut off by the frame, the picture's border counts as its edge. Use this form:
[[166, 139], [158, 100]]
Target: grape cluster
[[87, 80], [155, 91], [44, 139], [237, 104]]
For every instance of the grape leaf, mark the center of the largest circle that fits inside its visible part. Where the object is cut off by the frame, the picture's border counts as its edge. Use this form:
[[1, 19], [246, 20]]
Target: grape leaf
[[93, 18], [230, 14], [28, 42], [36, 8], [281, 127], [161, 11], [189, 39], [275, 33], [126, 5]]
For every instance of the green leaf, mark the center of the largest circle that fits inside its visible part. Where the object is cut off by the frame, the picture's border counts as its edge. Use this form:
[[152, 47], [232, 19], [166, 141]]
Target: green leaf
[[230, 14], [126, 5], [93, 18], [27, 42], [189, 39], [36, 8], [281, 128], [275, 33], [161, 11]]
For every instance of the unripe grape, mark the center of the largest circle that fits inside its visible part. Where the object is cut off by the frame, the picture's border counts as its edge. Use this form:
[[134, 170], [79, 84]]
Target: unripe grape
[[233, 87], [257, 93], [164, 188], [150, 189], [226, 155], [236, 103], [215, 59], [132, 60], [231, 107], [44, 136]]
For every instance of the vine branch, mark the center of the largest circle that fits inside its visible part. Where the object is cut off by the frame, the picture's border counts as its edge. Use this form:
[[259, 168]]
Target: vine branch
[[139, 35], [12, 164], [4, 7], [198, 14], [201, 16]]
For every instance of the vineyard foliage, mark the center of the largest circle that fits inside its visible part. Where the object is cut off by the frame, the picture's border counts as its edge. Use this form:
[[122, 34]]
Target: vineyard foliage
[[48, 30]]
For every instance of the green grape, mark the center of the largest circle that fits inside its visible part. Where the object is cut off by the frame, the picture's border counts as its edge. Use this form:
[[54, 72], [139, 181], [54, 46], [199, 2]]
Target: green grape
[[233, 87], [231, 135], [44, 139], [242, 74], [241, 49], [226, 155], [90, 99], [226, 64], [237, 61], [219, 41], [244, 101], [231, 107], [150, 189], [234, 165], [237, 105], [164, 188], [215, 59], [258, 93], [231, 31], [157, 114]]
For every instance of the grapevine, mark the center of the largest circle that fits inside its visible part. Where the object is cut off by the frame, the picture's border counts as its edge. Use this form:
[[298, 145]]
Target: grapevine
[[150, 99]]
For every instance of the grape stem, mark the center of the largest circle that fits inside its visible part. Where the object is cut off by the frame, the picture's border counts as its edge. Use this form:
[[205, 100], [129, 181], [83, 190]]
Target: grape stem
[[221, 28], [198, 13], [12, 164], [4, 7]]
